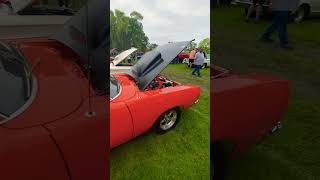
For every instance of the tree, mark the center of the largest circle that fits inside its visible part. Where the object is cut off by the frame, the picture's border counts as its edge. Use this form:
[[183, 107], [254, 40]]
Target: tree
[[151, 46], [205, 45], [127, 31]]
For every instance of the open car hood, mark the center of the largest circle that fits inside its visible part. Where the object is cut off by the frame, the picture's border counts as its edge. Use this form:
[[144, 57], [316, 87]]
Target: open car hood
[[86, 34], [22, 7], [122, 56], [153, 62]]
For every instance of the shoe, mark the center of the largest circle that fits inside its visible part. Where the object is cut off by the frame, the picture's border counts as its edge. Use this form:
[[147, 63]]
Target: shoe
[[266, 40]]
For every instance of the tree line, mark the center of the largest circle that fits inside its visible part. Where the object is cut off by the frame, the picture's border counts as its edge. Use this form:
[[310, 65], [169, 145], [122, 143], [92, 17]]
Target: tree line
[[127, 31]]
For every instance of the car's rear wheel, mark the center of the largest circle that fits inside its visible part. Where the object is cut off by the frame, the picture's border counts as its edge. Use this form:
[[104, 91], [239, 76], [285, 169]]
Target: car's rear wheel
[[167, 121], [219, 157]]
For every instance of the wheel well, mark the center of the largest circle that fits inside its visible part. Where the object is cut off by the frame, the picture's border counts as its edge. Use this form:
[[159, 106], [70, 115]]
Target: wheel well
[[179, 109], [225, 146]]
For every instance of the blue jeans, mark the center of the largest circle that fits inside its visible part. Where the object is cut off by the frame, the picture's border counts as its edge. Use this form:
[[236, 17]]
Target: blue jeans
[[279, 24], [196, 70]]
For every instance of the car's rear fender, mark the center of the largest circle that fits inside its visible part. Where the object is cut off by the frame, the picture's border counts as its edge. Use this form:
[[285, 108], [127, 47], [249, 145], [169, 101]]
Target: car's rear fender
[[148, 106], [245, 115]]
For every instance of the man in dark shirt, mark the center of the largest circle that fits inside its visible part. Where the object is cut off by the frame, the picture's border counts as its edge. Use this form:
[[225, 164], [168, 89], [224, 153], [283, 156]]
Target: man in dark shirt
[[281, 9]]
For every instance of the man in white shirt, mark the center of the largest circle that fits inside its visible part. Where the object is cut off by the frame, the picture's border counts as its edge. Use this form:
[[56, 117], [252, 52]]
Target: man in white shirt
[[198, 61]]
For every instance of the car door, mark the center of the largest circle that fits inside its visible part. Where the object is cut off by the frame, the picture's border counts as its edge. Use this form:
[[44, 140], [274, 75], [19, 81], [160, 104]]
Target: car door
[[121, 127], [82, 140]]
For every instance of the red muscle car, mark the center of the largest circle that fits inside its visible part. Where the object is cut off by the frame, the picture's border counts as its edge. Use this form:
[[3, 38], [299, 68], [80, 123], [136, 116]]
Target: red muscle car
[[245, 109], [48, 129], [143, 99]]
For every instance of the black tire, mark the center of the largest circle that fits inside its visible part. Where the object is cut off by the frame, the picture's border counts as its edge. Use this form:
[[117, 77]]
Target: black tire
[[300, 14], [219, 161], [159, 126]]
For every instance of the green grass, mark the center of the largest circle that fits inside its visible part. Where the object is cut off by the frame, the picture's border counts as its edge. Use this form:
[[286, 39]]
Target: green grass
[[182, 153], [293, 152]]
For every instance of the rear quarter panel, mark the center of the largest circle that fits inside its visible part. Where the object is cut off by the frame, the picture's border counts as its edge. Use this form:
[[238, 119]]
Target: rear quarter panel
[[148, 106], [246, 109]]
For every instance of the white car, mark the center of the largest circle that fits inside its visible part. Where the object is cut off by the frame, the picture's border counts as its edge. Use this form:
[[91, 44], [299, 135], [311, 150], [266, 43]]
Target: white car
[[206, 62], [117, 66], [305, 9]]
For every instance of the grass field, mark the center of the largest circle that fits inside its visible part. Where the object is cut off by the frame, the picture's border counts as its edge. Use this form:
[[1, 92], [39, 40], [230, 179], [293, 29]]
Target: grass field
[[182, 153], [294, 152]]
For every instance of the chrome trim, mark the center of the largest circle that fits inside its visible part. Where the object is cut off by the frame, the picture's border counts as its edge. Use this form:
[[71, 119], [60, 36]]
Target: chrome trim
[[27, 104], [118, 93]]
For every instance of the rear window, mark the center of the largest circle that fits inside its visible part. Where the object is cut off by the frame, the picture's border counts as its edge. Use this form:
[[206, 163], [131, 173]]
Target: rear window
[[13, 77], [114, 87]]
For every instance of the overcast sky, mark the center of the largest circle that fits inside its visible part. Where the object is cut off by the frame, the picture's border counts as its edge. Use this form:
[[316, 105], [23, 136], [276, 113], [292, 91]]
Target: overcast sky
[[170, 20]]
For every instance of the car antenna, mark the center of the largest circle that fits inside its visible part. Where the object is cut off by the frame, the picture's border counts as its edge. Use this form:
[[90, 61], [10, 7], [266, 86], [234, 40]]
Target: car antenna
[[89, 113]]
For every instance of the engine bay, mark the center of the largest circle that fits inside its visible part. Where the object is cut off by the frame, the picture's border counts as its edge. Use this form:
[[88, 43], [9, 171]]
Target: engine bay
[[161, 82]]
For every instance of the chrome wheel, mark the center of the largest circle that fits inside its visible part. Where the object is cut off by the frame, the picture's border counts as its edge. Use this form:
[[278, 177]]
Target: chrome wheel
[[300, 15], [168, 120]]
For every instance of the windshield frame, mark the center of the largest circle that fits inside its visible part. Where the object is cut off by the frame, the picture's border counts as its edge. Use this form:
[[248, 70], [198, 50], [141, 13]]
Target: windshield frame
[[119, 87]]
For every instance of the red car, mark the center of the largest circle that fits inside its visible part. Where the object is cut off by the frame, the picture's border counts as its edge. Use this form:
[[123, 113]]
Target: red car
[[182, 56], [245, 109], [143, 99], [48, 130]]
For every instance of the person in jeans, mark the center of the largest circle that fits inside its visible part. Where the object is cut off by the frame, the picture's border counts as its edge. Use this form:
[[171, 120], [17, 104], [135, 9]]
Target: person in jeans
[[198, 61], [281, 10]]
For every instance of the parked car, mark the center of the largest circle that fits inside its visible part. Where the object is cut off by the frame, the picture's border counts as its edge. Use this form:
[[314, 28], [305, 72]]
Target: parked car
[[22, 19], [117, 65], [245, 108], [180, 57], [48, 127], [206, 62], [144, 99], [305, 9]]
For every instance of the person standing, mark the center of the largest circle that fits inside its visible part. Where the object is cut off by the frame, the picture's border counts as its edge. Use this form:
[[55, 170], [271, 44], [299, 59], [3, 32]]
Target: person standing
[[63, 3], [256, 5], [198, 61], [282, 10], [191, 57]]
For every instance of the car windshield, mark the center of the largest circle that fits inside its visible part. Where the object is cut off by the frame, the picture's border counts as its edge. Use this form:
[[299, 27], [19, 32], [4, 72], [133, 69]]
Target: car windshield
[[114, 87], [14, 79]]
